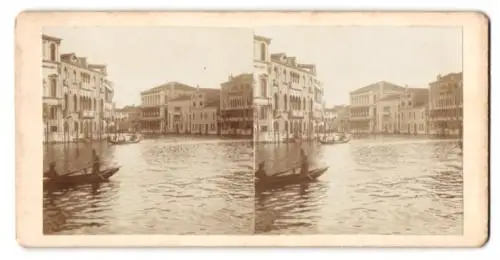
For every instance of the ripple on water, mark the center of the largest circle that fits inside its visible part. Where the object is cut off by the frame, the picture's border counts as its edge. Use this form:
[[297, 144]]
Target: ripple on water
[[165, 186], [374, 187]]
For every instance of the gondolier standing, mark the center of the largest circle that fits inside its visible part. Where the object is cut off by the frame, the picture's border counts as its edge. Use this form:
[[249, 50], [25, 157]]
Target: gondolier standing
[[304, 164], [96, 164], [261, 173], [52, 173]]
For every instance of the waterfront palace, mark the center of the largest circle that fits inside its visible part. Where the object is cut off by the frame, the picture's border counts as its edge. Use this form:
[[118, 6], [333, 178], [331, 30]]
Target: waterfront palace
[[77, 96], [384, 107], [288, 97]]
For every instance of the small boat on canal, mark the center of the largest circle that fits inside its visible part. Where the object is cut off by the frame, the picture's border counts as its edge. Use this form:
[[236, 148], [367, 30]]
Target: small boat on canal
[[79, 178], [342, 140], [334, 142], [118, 141], [289, 178]]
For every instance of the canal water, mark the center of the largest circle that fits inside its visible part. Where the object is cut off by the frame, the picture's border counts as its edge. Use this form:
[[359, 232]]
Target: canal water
[[171, 185], [373, 186]]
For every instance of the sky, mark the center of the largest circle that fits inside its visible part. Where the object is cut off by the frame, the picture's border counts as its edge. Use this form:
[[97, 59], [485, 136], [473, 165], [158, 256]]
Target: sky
[[348, 58], [139, 58]]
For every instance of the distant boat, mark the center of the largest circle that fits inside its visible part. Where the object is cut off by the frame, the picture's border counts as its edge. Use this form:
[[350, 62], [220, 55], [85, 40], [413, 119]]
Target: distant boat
[[343, 140], [132, 140], [290, 178]]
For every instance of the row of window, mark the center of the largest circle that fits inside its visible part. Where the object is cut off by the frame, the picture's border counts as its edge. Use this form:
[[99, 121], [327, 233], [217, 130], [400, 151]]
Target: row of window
[[86, 127], [404, 127], [290, 76], [85, 77], [295, 103], [362, 100]]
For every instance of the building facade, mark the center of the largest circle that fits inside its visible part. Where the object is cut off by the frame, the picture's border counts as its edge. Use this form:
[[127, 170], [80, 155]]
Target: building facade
[[77, 96], [236, 105], [205, 104], [179, 115], [154, 106], [52, 93], [127, 119], [389, 114], [289, 98], [336, 118], [363, 114], [414, 111], [446, 105]]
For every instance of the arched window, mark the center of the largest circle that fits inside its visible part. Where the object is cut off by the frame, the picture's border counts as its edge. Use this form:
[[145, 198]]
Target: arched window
[[276, 126], [276, 101], [75, 103], [285, 100], [66, 105], [53, 87], [53, 52]]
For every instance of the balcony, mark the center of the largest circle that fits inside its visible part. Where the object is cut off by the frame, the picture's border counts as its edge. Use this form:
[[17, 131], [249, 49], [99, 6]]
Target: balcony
[[296, 113], [53, 101], [88, 114]]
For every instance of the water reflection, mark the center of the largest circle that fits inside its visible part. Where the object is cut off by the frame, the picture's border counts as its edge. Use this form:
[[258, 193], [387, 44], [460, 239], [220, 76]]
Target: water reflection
[[165, 186], [373, 186]]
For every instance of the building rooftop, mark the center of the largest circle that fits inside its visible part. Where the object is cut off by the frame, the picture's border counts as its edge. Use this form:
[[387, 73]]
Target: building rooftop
[[213, 103], [51, 38], [262, 38], [176, 86], [387, 85], [449, 77], [239, 76]]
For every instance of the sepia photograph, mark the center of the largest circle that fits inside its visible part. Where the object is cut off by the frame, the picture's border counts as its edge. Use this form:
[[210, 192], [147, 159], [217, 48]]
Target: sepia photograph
[[359, 130], [147, 130], [252, 129]]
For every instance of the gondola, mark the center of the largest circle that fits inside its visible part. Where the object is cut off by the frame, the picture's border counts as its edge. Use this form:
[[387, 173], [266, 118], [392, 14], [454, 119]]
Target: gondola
[[334, 142], [137, 140], [289, 179], [69, 180]]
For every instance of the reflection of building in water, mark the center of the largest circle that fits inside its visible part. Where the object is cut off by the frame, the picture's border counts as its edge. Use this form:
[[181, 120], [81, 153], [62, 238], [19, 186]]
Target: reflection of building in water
[[446, 104], [236, 105], [77, 97], [154, 103], [288, 97]]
